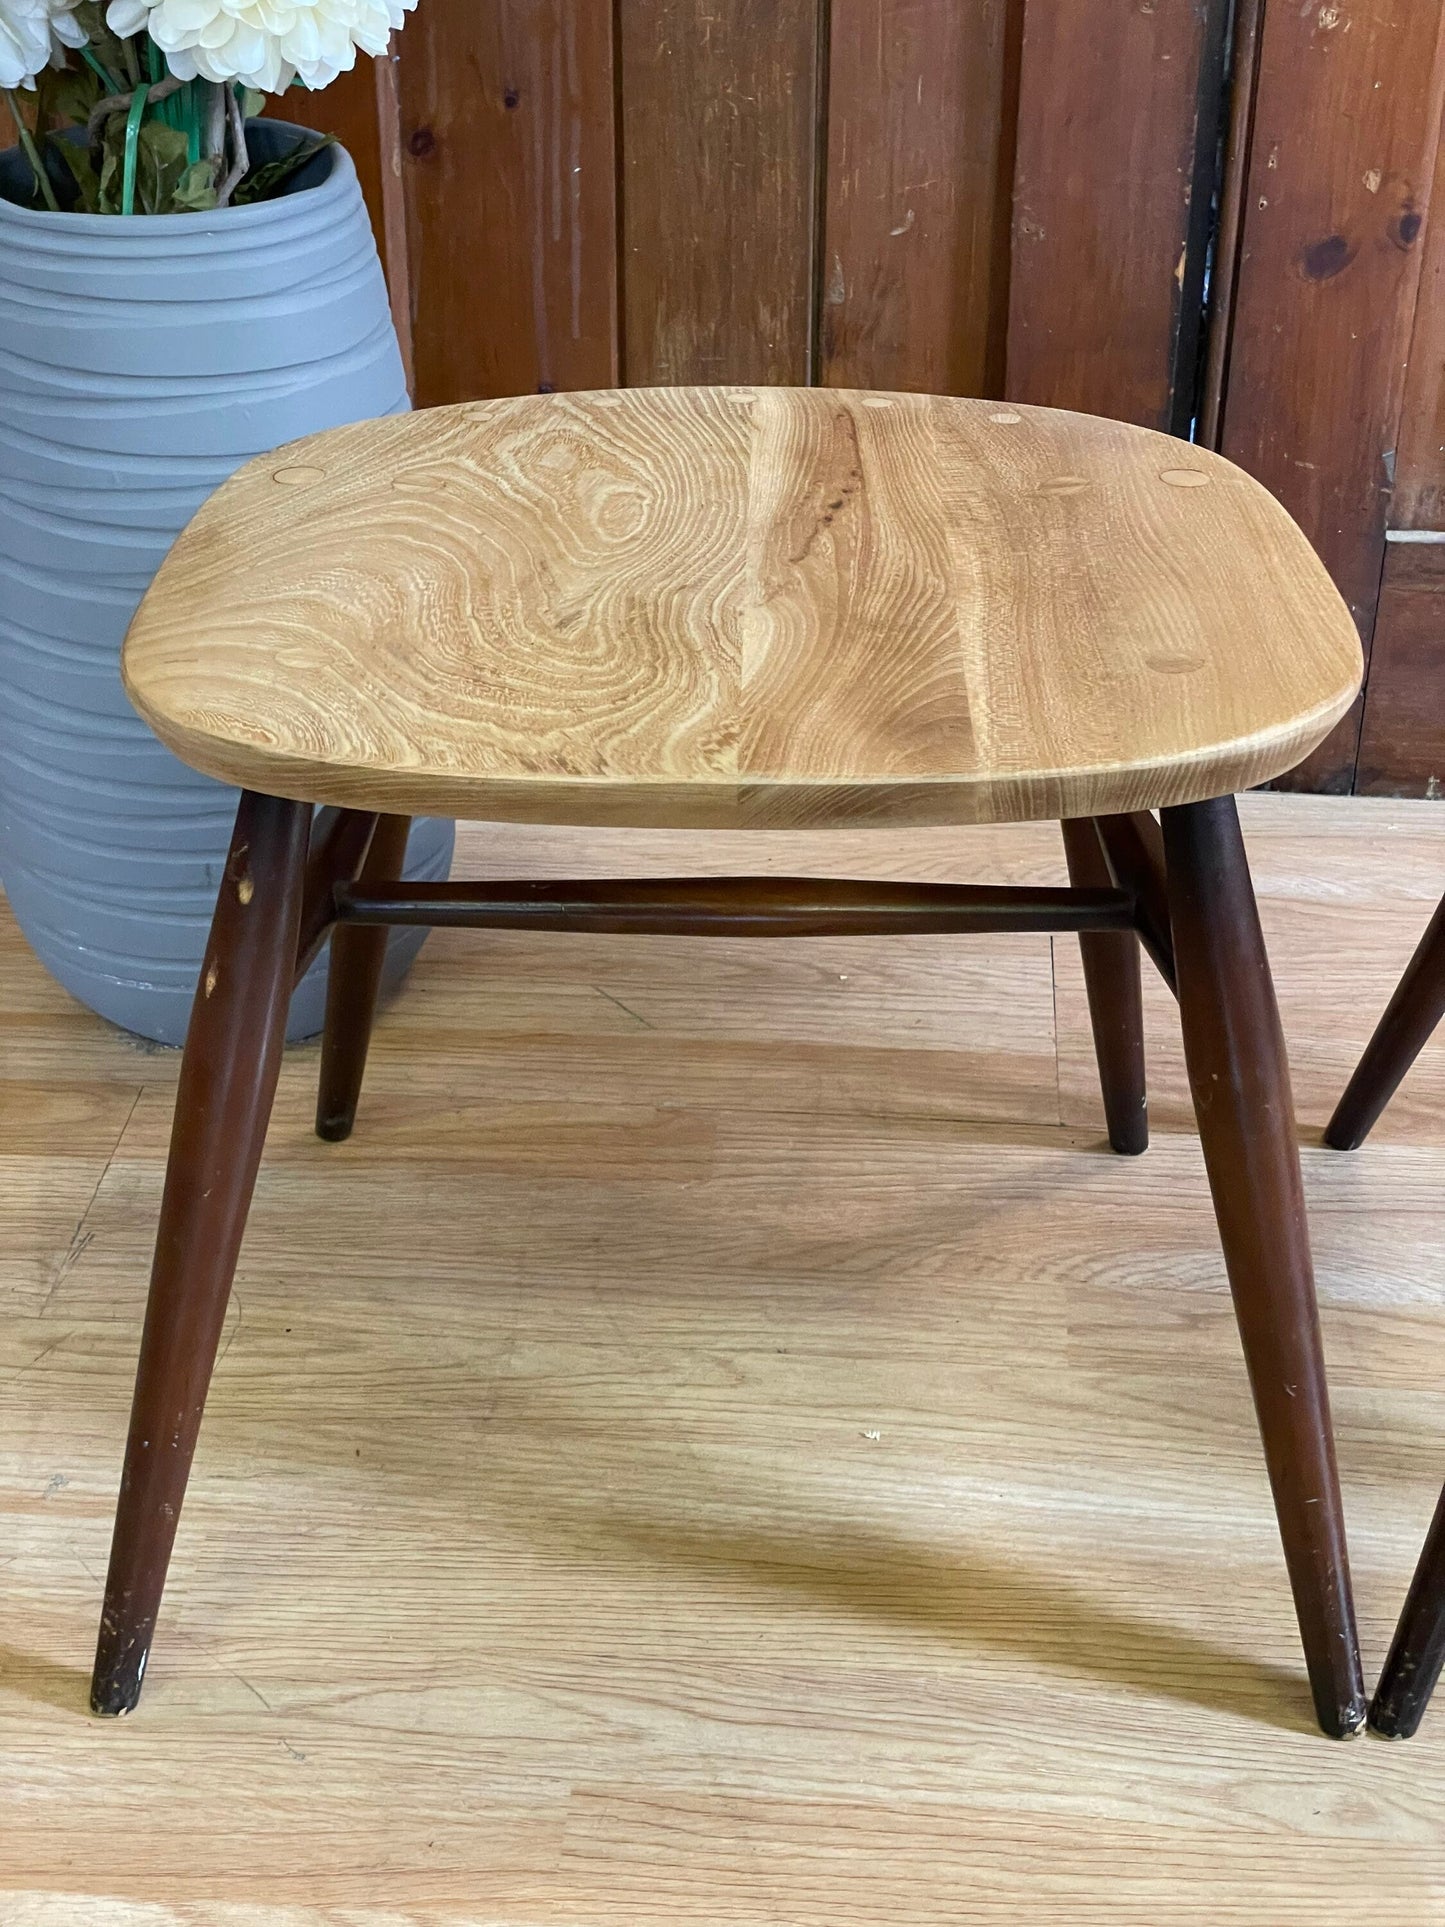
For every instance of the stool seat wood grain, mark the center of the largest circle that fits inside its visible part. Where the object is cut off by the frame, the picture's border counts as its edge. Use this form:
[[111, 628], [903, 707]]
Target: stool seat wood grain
[[739, 607]]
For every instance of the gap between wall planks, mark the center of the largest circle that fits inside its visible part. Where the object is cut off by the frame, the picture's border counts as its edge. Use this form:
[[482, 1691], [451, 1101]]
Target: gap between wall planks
[[1240, 81], [1347, 121], [1118, 124]]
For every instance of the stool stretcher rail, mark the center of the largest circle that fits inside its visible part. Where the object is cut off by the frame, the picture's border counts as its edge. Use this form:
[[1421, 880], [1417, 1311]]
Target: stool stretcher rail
[[738, 907]]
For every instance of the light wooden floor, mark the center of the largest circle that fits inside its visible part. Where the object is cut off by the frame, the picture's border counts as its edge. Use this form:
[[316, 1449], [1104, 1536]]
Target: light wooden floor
[[724, 1444]]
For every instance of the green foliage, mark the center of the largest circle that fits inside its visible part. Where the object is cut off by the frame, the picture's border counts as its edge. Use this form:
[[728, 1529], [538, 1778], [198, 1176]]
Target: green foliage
[[265, 183], [115, 55], [195, 192], [87, 182], [169, 179], [162, 163], [65, 96]]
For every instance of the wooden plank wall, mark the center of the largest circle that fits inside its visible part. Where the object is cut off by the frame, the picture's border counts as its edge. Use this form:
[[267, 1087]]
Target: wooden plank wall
[[1402, 735], [807, 190], [1346, 129], [1210, 216], [510, 188], [913, 280], [718, 142], [1119, 118], [754, 190]]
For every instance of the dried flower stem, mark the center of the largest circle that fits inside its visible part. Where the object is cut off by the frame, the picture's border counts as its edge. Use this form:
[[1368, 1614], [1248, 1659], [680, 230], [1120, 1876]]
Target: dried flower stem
[[240, 158], [120, 104], [32, 152], [215, 135]]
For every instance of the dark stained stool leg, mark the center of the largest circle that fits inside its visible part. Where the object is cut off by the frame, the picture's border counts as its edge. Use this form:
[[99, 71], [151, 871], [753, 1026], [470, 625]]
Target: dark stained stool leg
[[358, 952], [1134, 850], [223, 1104], [1417, 1651], [340, 840], [1239, 1077], [1401, 1034], [1116, 998]]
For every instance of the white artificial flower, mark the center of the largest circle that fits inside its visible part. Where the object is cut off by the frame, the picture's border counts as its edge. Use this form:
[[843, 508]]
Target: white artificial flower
[[34, 34], [261, 43], [24, 41], [66, 29]]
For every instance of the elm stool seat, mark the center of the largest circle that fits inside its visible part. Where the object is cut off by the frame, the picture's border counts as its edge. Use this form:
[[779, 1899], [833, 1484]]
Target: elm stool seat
[[739, 608]]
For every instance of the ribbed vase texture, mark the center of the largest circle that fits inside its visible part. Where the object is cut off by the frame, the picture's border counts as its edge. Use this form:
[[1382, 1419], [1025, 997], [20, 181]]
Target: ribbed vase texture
[[142, 360]]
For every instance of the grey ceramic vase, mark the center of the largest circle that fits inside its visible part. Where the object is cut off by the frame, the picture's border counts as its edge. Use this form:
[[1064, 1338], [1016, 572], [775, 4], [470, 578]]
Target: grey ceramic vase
[[142, 360]]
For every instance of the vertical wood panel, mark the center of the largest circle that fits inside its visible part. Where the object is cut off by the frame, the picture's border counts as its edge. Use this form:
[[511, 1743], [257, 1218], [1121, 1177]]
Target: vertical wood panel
[[1346, 122], [1419, 496], [1402, 740], [920, 131], [507, 153], [1119, 113], [719, 131], [396, 251]]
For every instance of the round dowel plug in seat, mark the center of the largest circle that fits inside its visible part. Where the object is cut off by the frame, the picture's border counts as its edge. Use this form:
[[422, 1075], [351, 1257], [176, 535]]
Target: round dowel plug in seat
[[744, 608]]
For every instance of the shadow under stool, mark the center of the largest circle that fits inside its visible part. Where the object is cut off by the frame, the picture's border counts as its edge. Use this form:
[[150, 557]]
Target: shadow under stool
[[758, 609], [1417, 1652]]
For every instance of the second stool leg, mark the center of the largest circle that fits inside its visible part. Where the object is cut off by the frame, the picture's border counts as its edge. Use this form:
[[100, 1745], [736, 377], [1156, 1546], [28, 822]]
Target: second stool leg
[[1239, 1076], [1417, 1652], [358, 953], [223, 1104], [1401, 1034], [1116, 998]]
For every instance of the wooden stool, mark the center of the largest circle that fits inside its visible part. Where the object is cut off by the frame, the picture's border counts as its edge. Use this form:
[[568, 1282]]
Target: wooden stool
[[1411, 1017], [743, 609]]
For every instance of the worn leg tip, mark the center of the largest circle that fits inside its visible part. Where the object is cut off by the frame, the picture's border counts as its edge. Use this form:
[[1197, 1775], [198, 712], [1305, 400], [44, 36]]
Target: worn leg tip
[[1345, 1722], [335, 1130], [112, 1699], [1391, 1723], [1339, 1137]]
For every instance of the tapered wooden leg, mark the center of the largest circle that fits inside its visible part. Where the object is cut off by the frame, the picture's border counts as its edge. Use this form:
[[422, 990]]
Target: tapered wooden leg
[[1134, 850], [358, 952], [1116, 1000], [1417, 1651], [1410, 1019], [223, 1103], [340, 840], [1239, 1076]]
